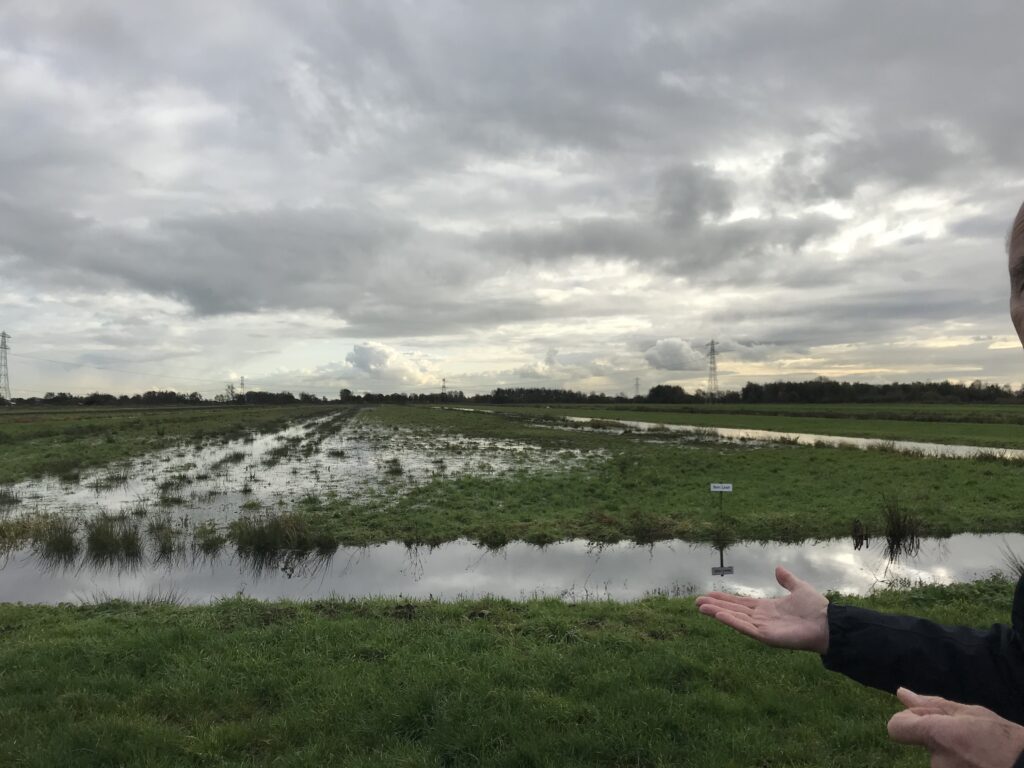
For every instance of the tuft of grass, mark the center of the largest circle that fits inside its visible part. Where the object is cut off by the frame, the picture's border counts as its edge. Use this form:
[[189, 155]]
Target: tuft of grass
[[113, 540], [167, 538], [902, 529], [137, 508], [207, 539], [1013, 563], [8, 497], [393, 467], [232, 457], [55, 540]]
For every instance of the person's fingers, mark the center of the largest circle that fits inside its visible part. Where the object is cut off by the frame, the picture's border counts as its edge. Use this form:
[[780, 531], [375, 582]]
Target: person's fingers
[[749, 602], [786, 579], [724, 605], [740, 623], [908, 727], [913, 700]]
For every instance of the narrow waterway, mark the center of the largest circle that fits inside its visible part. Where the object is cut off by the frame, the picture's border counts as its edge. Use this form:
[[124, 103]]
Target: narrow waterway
[[573, 570], [804, 438]]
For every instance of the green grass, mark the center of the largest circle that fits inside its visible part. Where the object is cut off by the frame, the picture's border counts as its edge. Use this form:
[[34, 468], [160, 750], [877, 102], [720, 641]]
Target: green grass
[[487, 682], [645, 491], [66, 442], [1002, 427]]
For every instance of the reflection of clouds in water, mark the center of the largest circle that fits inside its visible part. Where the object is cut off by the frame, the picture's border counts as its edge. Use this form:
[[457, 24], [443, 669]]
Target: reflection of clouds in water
[[573, 570]]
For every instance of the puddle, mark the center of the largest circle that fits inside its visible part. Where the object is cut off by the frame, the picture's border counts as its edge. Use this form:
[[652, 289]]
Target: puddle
[[573, 570]]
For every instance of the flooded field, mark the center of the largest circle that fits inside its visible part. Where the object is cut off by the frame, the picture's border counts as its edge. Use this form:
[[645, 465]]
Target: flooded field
[[232, 516], [330, 456]]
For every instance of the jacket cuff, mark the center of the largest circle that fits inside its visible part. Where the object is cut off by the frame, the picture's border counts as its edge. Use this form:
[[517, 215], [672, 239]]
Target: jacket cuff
[[839, 647], [1019, 762]]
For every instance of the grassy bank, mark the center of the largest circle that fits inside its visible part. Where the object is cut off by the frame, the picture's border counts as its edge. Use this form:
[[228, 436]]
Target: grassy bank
[[1002, 426], [423, 684], [66, 441]]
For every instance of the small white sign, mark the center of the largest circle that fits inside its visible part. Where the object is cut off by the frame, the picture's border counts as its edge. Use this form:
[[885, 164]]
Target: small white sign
[[721, 487]]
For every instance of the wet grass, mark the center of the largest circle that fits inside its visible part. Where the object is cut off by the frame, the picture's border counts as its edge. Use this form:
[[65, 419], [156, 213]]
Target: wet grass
[[8, 497], [65, 442], [55, 540], [208, 539], [394, 682], [278, 533], [113, 540], [115, 478], [902, 529], [232, 457], [167, 537], [645, 489]]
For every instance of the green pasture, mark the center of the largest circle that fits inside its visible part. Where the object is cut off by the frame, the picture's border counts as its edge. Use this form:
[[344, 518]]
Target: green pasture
[[396, 683]]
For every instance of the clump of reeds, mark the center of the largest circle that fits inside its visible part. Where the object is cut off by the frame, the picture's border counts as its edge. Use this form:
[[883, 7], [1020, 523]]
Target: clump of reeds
[[113, 540], [8, 497], [208, 539], [1014, 563], [902, 529], [393, 466], [165, 536], [276, 533], [137, 508], [55, 540], [173, 482]]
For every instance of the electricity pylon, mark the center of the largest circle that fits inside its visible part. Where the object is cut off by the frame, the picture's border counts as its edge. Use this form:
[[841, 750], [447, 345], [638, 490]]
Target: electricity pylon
[[712, 391], [5, 382]]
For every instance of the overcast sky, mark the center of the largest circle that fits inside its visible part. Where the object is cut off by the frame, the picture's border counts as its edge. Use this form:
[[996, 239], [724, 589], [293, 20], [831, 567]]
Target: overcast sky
[[379, 194]]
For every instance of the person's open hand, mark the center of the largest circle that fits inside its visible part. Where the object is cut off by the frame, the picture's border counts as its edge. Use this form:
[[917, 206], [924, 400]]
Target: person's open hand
[[798, 621], [956, 735]]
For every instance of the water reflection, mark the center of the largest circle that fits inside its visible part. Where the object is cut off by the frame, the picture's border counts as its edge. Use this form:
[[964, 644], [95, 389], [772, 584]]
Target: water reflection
[[574, 570]]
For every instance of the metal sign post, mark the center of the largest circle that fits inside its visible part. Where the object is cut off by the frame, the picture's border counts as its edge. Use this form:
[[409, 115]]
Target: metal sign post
[[721, 569]]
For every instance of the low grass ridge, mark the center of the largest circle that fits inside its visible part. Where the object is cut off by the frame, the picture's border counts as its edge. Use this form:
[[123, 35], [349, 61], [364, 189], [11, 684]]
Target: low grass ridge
[[386, 682]]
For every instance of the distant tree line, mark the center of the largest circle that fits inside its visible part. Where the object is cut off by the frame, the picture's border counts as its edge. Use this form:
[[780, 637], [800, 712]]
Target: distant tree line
[[820, 390]]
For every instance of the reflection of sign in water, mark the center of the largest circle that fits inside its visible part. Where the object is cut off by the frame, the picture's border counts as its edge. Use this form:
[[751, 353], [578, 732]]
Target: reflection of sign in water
[[721, 487], [721, 569]]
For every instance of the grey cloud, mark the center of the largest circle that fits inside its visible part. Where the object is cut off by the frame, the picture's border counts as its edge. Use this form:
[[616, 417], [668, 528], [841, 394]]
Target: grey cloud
[[686, 194], [265, 159], [675, 355], [900, 157]]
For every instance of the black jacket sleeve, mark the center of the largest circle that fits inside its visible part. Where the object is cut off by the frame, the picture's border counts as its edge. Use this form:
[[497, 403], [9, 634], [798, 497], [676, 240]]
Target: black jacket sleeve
[[970, 666]]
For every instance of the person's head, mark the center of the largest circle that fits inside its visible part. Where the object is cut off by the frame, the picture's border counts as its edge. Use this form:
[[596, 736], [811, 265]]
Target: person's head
[[1015, 248]]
